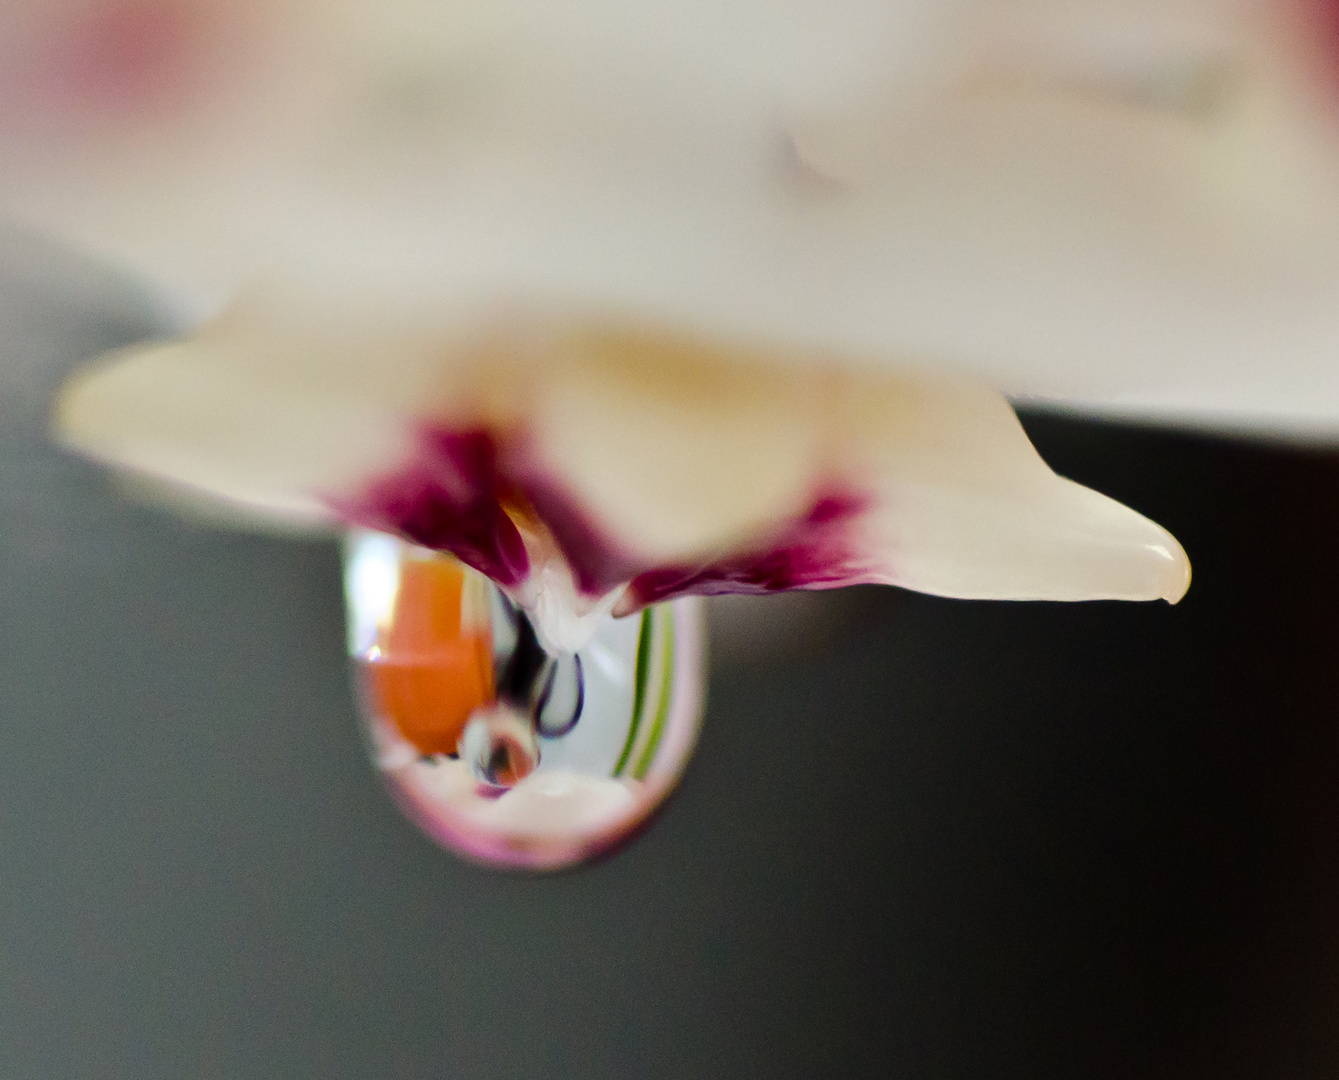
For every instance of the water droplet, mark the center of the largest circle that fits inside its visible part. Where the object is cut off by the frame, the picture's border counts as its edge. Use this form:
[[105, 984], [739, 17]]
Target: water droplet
[[499, 750]]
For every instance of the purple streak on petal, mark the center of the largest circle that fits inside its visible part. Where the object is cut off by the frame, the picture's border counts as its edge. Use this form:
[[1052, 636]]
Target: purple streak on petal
[[817, 551], [448, 498], [596, 561], [1325, 30], [814, 551], [835, 507]]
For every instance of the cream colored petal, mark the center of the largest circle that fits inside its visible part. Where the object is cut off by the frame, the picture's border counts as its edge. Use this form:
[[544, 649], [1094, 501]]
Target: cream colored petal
[[968, 508], [262, 422], [687, 456], [640, 453], [1127, 206]]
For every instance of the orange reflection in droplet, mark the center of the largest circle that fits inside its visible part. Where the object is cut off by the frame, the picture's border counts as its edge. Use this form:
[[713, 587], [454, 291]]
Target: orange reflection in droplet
[[433, 665]]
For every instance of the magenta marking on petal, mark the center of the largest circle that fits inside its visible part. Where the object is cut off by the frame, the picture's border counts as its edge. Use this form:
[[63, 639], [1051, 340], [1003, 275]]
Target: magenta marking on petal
[[817, 551], [1327, 15], [448, 498], [811, 552], [1316, 22], [596, 561], [835, 507]]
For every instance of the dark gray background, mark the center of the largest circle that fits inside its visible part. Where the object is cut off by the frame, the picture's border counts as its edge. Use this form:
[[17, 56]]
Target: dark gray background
[[937, 840]]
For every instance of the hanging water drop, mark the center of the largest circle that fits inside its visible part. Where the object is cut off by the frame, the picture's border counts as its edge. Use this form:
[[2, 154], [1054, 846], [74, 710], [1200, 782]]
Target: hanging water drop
[[499, 750]]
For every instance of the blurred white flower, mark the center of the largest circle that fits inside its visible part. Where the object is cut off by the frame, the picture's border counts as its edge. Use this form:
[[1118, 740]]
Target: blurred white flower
[[1129, 206]]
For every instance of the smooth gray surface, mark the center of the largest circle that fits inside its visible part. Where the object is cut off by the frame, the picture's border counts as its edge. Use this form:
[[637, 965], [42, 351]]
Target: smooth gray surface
[[950, 840]]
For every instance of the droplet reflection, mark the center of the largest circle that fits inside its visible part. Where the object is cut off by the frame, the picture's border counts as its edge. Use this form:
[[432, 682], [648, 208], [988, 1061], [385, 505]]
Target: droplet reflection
[[497, 749]]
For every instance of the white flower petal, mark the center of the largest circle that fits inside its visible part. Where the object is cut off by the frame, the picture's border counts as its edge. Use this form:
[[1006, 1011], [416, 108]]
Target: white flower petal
[[1130, 205], [572, 461]]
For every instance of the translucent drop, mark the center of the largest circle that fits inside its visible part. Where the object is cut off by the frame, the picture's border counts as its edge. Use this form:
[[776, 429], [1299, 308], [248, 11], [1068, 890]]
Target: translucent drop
[[497, 749]]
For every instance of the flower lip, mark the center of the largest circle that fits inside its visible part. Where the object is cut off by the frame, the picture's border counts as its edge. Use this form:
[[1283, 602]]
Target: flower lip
[[449, 498], [590, 468], [812, 552], [455, 496]]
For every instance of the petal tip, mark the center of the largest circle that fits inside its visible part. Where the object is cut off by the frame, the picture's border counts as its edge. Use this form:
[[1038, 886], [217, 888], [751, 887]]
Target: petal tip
[[1176, 578], [74, 422]]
